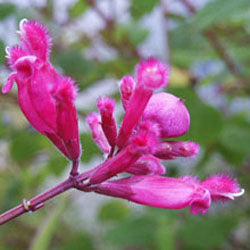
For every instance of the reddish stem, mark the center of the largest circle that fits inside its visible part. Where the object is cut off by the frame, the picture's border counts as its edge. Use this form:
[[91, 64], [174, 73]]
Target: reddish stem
[[74, 181], [37, 202]]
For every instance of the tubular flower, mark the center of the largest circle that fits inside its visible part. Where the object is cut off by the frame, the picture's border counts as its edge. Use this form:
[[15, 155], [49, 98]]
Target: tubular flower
[[152, 74], [45, 97], [138, 148], [171, 193]]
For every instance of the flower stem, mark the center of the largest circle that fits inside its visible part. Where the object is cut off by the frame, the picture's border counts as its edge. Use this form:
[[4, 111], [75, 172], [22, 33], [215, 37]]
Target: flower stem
[[36, 202]]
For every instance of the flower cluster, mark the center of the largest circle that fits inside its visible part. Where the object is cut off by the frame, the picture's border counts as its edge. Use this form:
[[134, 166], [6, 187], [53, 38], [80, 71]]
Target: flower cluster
[[45, 96], [138, 148], [142, 143]]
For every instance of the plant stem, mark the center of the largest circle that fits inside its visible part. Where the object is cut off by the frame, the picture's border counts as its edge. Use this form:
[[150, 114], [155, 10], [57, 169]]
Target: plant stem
[[74, 181], [36, 202]]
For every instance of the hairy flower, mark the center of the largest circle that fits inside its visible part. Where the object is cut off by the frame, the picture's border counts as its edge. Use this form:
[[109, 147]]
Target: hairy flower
[[45, 97]]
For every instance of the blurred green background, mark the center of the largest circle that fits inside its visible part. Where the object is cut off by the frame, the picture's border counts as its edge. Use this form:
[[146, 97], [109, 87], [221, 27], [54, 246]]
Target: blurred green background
[[207, 44]]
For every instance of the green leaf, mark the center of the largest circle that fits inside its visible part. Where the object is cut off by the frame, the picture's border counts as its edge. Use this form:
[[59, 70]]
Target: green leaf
[[25, 145], [134, 231], [12, 194], [165, 234], [219, 10], [114, 210], [206, 233], [89, 147], [206, 122], [6, 9], [57, 163], [45, 232], [78, 241], [141, 7], [78, 8], [2, 52]]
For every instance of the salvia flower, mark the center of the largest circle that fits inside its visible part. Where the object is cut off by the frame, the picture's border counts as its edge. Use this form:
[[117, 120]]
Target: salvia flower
[[171, 193], [45, 96], [141, 146], [151, 74], [138, 148]]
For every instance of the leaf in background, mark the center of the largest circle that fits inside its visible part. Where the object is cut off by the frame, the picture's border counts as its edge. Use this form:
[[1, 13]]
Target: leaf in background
[[114, 210], [133, 231], [6, 9], [57, 163], [219, 10], [46, 230], [206, 232], [132, 32], [141, 7], [234, 141], [89, 147], [12, 194], [25, 145], [78, 8], [165, 234], [75, 65], [206, 122], [2, 52], [78, 241]]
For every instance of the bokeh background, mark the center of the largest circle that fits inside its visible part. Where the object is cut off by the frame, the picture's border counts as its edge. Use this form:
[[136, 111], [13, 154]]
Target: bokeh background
[[207, 44]]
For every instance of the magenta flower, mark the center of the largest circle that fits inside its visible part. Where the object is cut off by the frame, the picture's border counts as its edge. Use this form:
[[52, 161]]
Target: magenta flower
[[152, 74], [94, 122], [169, 112], [45, 97], [137, 149], [149, 119], [172, 193]]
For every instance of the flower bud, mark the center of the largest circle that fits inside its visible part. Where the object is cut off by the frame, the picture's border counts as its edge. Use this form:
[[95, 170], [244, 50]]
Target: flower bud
[[169, 112], [147, 164], [152, 73], [94, 123], [169, 150], [127, 85], [106, 107]]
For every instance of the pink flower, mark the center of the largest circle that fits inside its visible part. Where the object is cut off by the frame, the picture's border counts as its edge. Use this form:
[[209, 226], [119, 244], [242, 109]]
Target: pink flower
[[222, 187], [169, 112], [172, 193], [144, 142], [45, 97], [152, 74], [162, 192]]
